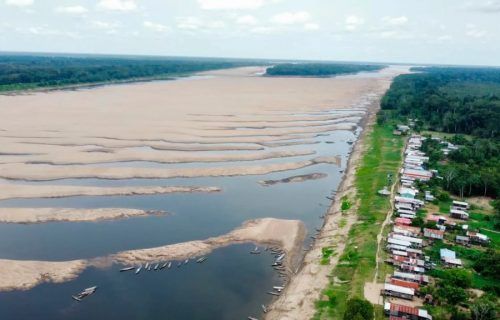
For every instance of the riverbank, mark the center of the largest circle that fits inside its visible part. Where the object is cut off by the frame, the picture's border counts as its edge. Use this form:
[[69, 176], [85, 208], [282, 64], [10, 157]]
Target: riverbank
[[358, 261], [341, 226]]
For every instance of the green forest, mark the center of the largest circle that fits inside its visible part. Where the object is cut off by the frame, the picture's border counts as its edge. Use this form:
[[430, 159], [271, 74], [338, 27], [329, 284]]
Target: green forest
[[464, 102], [19, 72], [319, 69]]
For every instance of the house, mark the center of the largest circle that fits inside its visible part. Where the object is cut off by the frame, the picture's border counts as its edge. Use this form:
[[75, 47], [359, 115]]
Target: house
[[414, 241], [412, 269], [408, 192], [459, 214], [399, 260], [453, 262], [398, 311], [429, 196], [402, 205], [422, 175], [422, 279], [463, 240], [446, 253], [479, 238], [406, 231], [449, 258], [433, 234], [416, 203], [407, 284], [406, 211], [403, 128], [460, 205], [402, 221], [397, 291], [399, 242], [438, 219]]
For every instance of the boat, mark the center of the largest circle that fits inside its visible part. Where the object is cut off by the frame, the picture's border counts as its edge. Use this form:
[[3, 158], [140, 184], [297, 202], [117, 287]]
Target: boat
[[149, 268], [273, 293], [201, 260], [138, 269], [85, 293], [264, 308], [169, 265], [147, 265], [186, 261], [252, 318], [278, 288], [127, 269], [179, 264], [163, 266], [156, 267]]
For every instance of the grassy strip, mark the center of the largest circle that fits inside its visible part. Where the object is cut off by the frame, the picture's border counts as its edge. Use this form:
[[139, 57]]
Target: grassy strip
[[357, 262]]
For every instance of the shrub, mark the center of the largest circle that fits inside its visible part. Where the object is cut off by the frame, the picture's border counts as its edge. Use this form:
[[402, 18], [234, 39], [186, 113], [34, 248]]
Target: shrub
[[358, 308]]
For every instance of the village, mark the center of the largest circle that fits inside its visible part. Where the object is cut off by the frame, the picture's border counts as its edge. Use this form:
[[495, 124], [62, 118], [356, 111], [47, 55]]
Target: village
[[415, 232]]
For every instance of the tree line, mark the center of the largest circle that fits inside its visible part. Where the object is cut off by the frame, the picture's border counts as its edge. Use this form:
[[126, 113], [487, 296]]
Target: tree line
[[32, 71], [319, 69]]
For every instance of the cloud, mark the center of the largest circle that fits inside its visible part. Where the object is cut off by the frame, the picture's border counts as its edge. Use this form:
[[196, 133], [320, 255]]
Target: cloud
[[311, 26], [353, 22], [194, 23], [189, 23], [471, 30], [19, 3], [247, 20], [230, 4], [287, 18], [491, 6], [107, 27], [157, 27], [71, 9], [117, 5], [395, 21]]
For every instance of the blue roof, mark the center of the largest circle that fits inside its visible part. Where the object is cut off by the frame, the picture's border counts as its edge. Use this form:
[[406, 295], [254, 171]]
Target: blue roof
[[445, 253]]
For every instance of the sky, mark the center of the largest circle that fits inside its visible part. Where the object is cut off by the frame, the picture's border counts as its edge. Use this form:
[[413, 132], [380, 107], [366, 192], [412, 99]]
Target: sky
[[405, 31]]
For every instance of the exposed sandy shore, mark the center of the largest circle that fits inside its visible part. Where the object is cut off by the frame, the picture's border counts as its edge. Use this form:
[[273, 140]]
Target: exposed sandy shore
[[126, 155], [13, 191], [298, 300], [300, 178], [24, 275], [19, 171], [288, 234], [41, 215]]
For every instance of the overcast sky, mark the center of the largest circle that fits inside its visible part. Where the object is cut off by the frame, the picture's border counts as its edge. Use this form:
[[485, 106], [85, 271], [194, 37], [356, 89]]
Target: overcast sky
[[422, 31]]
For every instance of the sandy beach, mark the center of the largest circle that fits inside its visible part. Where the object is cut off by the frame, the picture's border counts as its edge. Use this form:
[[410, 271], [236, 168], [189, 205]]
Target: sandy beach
[[42, 215], [287, 234], [19, 191]]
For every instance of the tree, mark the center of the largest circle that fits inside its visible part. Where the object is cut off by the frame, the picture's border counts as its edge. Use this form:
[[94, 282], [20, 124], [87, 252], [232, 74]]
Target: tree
[[483, 309], [453, 295], [358, 308]]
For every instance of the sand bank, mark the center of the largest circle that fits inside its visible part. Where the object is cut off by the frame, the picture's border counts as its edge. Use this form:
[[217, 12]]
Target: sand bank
[[13, 191], [287, 234], [24, 275], [300, 178], [42, 215], [127, 155], [20, 171]]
